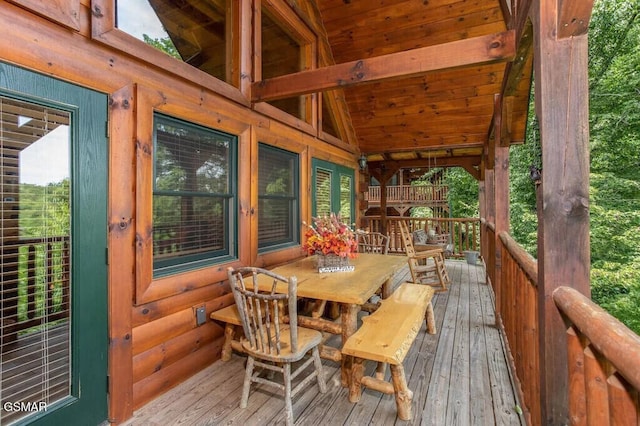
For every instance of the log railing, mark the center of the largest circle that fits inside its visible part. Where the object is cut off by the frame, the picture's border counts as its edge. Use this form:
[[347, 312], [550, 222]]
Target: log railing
[[604, 363], [603, 367], [518, 317], [462, 233]]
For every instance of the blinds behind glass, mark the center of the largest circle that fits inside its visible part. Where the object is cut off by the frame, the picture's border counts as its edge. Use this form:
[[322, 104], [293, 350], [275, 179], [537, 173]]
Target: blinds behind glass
[[193, 192], [35, 363], [323, 192], [277, 196]]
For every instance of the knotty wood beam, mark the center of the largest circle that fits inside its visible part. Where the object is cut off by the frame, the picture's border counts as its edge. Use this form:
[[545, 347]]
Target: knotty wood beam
[[473, 160], [472, 51], [503, 115], [573, 17], [562, 105], [500, 154], [470, 163]]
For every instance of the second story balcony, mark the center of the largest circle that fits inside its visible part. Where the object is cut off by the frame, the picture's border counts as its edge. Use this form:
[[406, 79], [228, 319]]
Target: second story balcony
[[403, 197]]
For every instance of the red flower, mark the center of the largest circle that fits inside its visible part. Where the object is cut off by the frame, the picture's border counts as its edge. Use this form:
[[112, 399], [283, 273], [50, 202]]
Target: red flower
[[330, 235]]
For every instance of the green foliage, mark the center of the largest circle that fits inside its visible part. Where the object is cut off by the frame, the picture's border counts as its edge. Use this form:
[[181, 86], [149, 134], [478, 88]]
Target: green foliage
[[44, 210], [614, 111], [163, 44], [614, 78], [463, 193]]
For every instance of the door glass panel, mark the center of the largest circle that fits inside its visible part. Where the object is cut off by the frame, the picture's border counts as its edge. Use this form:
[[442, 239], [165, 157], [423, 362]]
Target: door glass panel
[[35, 352], [323, 192], [345, 197]]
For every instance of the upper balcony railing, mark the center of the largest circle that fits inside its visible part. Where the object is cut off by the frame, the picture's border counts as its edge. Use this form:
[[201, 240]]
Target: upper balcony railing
[[410, 194]]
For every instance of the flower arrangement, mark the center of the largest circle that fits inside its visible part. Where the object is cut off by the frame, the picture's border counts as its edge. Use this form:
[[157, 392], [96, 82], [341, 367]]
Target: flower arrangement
[[330, 235]]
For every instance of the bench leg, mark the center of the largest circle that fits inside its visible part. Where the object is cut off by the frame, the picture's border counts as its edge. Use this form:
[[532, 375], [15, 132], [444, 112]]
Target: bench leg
[[404, 396], [229, 335], [355, 387], [431, 320], [381, 369]]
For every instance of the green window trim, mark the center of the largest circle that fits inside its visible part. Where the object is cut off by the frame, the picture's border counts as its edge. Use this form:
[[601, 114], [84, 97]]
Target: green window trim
[[194, 196]]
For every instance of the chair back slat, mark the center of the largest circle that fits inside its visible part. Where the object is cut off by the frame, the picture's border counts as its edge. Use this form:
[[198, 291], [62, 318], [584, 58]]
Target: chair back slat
[[262, 313], [407, 239], [372, 242]]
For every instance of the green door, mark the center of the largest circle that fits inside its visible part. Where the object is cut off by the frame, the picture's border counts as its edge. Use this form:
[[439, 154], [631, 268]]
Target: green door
[[53, 304]]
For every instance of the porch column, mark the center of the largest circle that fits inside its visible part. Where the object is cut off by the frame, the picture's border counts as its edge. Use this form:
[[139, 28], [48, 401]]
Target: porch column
[[383, 206], [561, 99], [500, 150]]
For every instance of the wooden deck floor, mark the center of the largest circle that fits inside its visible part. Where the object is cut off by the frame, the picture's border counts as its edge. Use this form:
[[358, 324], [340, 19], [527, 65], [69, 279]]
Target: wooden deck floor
[[459, 376]]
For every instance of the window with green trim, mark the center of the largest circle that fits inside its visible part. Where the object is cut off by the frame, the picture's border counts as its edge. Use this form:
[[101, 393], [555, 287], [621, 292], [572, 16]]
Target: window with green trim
[[278, 206], [333, 190], [194, 195]]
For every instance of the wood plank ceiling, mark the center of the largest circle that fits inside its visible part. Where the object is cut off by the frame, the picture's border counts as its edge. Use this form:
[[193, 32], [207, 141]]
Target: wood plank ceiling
[[433, 117]]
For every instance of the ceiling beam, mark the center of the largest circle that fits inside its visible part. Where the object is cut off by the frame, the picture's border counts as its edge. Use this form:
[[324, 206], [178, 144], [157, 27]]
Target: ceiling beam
[[472, 160], [471, 51], [573, 17], [471, 163]]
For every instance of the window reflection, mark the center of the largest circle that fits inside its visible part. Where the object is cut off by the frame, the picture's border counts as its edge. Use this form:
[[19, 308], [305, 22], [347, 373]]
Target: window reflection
[[193, 31]]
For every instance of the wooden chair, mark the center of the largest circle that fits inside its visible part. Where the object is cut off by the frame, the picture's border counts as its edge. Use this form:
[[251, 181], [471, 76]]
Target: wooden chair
[[269, 342], [426, 267], [372, 242]]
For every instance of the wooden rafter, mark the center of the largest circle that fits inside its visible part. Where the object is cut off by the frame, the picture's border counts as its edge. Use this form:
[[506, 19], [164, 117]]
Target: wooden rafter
[[573, 17], [498, 47]]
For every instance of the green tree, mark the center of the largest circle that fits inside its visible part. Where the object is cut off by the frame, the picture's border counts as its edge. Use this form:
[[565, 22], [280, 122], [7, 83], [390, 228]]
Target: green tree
[[164, 44]]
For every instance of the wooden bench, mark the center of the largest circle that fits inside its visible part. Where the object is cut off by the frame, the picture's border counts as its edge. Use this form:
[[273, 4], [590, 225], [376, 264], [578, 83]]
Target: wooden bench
[[232, 328], [386, 337]]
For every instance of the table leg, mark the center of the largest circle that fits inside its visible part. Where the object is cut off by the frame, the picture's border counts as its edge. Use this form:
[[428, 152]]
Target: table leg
[[349, 313], [387, 288]]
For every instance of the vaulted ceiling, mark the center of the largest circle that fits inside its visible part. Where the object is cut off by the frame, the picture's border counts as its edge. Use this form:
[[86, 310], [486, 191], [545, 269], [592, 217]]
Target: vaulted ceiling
[[440, 114]]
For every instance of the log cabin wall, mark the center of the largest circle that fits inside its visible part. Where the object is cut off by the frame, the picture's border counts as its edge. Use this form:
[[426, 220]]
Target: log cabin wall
[[154, 342]]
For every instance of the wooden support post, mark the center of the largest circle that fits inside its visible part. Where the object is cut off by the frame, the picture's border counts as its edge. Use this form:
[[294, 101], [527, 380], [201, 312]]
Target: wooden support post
[[383, 207], [500, 189], [482, 208], [489, 183], [561, 99]]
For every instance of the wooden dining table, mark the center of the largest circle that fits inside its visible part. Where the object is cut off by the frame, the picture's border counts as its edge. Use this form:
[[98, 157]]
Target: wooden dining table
[[350, 290]]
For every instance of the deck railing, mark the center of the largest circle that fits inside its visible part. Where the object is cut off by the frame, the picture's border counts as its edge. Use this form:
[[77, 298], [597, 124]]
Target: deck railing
[[517, 302], [462, 233], [604, 363], [410, 194], [35, 284], [603, 366]]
